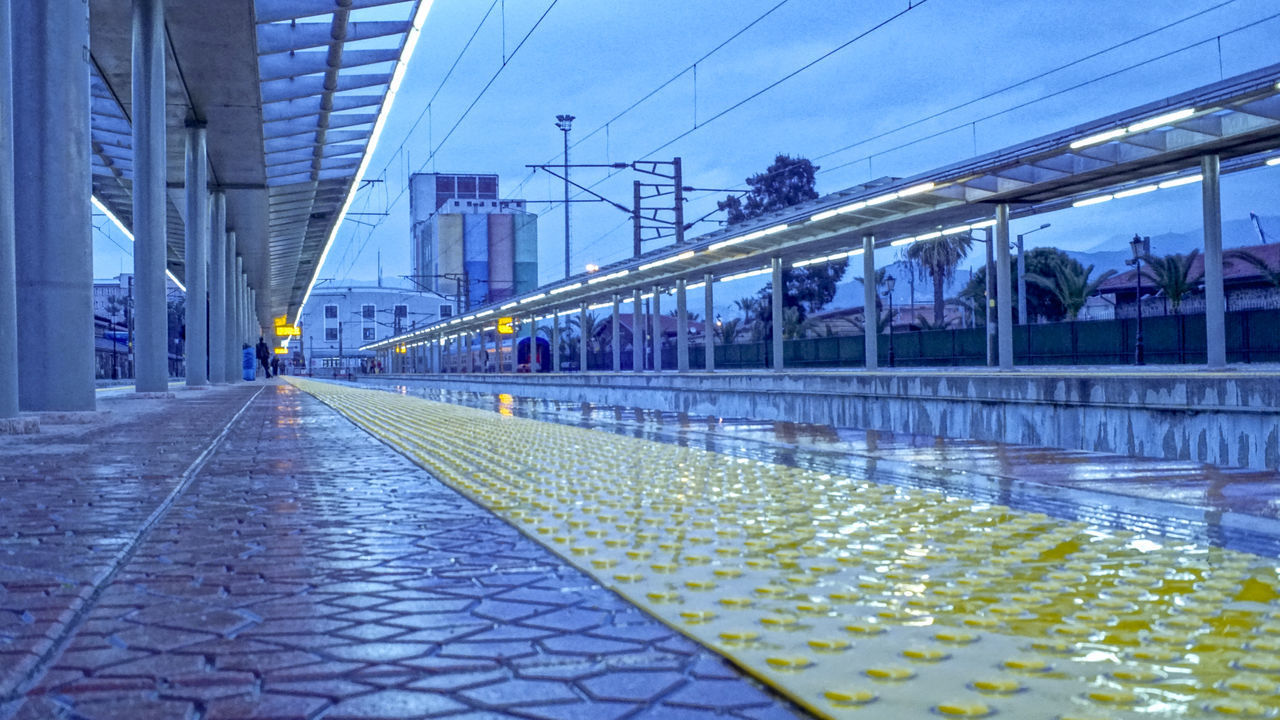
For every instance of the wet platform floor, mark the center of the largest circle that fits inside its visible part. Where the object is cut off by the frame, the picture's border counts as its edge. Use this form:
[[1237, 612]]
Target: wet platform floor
[[301, 569]]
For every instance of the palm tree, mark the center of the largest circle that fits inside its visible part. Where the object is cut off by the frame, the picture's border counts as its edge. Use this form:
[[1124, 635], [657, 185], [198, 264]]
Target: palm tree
[[727, 331], [1268, 274], [1172, 275], [590, 331], [793, 328], [939, 257], [1069, 282]]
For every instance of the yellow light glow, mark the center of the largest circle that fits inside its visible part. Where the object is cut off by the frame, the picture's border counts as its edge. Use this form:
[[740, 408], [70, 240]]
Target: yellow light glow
[[287, 331], [281, 351], [506, 326], [282, 320]]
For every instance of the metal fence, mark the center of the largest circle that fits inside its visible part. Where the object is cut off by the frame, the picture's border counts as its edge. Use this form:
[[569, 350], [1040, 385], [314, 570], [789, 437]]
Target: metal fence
[[1252, 336]]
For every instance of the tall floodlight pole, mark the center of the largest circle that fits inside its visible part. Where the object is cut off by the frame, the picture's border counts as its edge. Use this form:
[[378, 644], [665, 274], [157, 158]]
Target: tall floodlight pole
[[564, 122]]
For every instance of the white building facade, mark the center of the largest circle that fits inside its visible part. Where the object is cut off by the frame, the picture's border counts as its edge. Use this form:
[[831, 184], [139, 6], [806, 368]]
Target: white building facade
[[338, 319]]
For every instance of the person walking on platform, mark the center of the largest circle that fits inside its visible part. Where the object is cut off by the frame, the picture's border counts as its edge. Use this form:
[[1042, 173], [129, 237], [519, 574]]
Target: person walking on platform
[[264, 356]]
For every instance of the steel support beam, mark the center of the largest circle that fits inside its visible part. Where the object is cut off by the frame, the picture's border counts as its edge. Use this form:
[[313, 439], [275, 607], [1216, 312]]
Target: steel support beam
[[555, 340], [582, 337], [656, 321], [534, 365], [776, 262], [235, 336], [1004, 288], [708, 318], [637, 332], [8, 270], [615, 333], [197, 256], [870, 317], [682, 327], [989, 303], [218, 331], [1215, 304], [53, 265], [150, 231]]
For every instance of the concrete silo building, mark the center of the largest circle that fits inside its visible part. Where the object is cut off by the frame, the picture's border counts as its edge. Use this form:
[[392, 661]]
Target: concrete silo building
[[467, 243]]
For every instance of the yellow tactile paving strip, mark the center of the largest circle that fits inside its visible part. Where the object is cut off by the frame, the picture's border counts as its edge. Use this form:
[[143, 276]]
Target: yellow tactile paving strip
[[861, 600]]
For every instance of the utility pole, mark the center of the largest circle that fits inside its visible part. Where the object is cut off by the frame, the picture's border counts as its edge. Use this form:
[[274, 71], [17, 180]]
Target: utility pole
[[564, 122], [655, 218]]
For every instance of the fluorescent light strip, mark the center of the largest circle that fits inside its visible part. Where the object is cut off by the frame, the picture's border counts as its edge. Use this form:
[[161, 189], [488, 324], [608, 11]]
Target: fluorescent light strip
[[1274, 161], [957, 229], [610, 276], [532, 298], [1137, 191], [397, 77], [982, 224], [664, 261], [1091, 201], [1176, 182], [1160, 120], [851, 207], [695, 286], [749, 236], [486, 313], [1098, 139], [902, 241], [883, 199], [509, 305], [916, 189], [930, 235], [566, 288], [600, 306], [119, 225]]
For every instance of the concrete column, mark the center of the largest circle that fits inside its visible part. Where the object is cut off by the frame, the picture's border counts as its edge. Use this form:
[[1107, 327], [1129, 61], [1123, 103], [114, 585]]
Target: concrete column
[[231, 349], [8, 275], [615, 333], [1004, 288], [1215, 302], [682, 327], [150, 236], [555, 340], [777, 312], [53, 264], [656, 319], [870, 318], [197, 255], [534, 365], [218, 330], [990, 303], [582, 337], [709, 318], [637, 332]]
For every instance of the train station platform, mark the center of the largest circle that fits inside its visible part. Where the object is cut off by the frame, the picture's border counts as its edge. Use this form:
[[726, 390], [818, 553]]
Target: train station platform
[[317, 550]]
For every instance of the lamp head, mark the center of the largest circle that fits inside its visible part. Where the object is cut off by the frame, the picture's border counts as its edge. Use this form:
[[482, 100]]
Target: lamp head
[[564, 122], [889, 282]]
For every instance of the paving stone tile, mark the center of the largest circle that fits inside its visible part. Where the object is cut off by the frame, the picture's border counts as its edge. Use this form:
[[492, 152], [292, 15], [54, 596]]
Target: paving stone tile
[[135, 709], [266, 706], [717, 694], [448, 682], [394, 705], [333, 689], [587, 645], [568, 620], [578, 711], [519, 692], [639, 687]]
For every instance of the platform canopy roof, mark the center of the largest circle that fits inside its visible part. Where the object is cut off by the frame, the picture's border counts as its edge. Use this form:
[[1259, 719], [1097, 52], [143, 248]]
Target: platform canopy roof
[[293, 94], [1145, 149]]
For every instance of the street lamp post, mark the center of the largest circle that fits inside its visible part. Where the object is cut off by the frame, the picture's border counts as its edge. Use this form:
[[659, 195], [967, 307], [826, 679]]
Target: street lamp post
[[1141, 247], [1022, 276], [889, 282], [564, 122]]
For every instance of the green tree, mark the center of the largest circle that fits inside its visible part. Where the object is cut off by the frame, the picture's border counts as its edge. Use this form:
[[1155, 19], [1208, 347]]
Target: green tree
[[1172, 274], [786, 182], [1271, 275], [727, 331], [939, 257], [1069, 282], [1040, 302]]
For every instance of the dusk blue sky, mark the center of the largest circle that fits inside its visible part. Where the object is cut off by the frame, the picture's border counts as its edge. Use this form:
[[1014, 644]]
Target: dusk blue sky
[[593, 59]]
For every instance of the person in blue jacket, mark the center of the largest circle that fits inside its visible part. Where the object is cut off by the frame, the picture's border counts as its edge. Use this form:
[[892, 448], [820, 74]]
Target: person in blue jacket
[[247, 361]]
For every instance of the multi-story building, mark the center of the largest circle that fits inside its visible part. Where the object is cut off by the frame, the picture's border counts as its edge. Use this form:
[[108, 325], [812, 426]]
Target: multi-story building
[[338, 319], [467, 243]]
